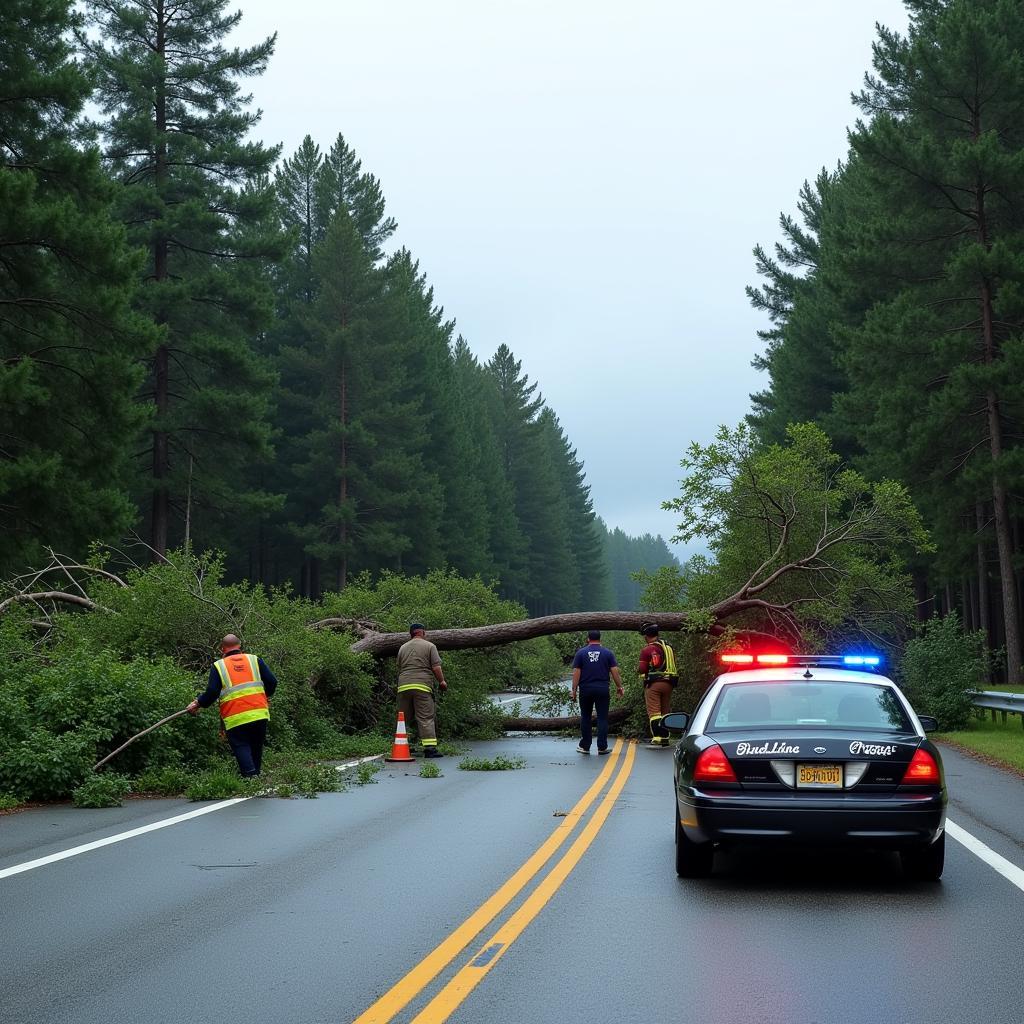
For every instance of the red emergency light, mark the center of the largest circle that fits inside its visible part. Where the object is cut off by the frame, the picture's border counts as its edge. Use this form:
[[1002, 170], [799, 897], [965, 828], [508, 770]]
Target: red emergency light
[[760, 659]]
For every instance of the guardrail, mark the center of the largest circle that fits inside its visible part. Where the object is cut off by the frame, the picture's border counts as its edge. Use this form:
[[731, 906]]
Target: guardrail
[[996, 700]]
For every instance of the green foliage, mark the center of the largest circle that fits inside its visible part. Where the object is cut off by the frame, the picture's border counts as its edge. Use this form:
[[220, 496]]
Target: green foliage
[[221, 782], [165, 780], [68, 341], [101, 677], [8, 802], [499, 763], [990, 738], [288, 772], [801, 544], [444, 600], [195, 196], [429, 771], [366, 771], [940, 667], [106, 790]]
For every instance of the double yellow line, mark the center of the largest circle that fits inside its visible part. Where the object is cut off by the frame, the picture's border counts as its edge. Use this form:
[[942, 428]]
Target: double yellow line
[[466, 979]]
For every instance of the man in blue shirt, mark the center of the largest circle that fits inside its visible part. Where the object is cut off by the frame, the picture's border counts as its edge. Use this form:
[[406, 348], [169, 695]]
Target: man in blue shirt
[[591, 669]]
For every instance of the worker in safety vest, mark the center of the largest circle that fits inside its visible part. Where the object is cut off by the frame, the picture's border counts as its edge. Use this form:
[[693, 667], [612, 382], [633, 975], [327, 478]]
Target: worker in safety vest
[[419, 665], [658, 669], [243, 686]]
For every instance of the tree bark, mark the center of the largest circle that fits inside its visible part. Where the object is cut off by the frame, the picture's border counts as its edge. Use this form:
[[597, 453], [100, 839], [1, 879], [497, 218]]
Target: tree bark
[[616, 716], [383, 644], [160, 513]]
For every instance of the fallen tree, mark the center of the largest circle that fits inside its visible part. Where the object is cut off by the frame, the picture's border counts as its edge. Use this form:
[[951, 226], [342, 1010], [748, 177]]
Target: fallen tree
[[616, 716]]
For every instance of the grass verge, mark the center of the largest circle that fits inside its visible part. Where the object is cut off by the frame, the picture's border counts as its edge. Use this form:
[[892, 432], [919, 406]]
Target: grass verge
[[998, 742]]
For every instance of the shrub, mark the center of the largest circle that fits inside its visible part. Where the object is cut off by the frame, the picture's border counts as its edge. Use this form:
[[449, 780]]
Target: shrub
[[102, 790], [8, 802], [221, 783], [166, 780], [940, 667], [429, 771]]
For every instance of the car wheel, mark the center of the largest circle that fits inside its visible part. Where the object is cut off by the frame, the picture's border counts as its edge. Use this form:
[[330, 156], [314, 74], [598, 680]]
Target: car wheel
[[925, 865], [693, 860]]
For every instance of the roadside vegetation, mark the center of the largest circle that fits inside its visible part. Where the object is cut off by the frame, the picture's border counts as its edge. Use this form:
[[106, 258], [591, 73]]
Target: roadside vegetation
[[79, 682], [999, 741]]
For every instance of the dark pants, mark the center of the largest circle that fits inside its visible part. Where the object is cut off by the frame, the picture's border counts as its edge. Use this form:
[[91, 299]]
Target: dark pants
[[589, 700], [247, 745]]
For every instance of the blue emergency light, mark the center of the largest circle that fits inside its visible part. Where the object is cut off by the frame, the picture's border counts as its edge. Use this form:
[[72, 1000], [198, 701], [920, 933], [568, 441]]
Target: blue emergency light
[[861, 659]]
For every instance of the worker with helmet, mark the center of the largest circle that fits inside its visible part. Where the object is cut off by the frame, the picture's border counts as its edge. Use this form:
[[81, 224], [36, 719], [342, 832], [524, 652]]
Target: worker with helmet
[[658, 670]]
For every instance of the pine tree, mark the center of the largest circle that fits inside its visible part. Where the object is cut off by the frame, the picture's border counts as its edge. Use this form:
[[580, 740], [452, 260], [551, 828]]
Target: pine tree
[[197, 197], [68, 344], [343, 185], [552, 574], [595, 591], [937, 368]]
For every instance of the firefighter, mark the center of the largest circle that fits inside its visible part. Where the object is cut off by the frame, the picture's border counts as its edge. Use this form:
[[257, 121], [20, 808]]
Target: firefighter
[[419, 665], [243, 686], [658, 669]]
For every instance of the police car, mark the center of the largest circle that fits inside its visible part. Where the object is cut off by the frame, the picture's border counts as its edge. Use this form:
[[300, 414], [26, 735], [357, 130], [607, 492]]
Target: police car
[[815, 749]]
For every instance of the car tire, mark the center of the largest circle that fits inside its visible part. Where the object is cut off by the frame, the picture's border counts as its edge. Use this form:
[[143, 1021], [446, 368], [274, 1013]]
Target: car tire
[[925, 865], [693, 860]]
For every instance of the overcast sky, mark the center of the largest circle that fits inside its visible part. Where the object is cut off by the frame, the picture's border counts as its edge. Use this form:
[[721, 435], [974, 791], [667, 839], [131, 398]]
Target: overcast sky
[[585, 181]]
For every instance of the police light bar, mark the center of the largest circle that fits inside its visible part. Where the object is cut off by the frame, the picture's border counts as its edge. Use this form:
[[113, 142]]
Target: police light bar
[[761, 659], [804, 660]]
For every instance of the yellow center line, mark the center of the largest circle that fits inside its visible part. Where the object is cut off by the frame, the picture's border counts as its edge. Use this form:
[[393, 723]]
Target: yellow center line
[[444, 1004], [404, 991]]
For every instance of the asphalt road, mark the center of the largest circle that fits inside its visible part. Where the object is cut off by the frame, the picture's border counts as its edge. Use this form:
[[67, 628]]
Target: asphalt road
[[308, 911]]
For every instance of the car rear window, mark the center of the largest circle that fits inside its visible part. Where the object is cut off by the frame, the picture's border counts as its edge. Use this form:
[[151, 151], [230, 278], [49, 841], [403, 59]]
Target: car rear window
[[808, 705]]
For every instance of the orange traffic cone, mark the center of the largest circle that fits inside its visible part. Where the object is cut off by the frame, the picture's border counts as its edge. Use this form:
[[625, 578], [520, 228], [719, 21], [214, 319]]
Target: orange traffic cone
[[400, 748]]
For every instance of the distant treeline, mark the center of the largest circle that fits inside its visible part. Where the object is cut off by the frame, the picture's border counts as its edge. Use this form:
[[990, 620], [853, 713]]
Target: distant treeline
[[897, 302], [218, 347]]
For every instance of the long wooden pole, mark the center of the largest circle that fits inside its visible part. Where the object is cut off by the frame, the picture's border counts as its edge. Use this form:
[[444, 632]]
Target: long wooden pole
[[138, 735]]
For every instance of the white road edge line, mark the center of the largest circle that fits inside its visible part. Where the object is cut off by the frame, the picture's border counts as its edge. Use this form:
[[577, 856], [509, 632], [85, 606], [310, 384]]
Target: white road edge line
[[120, 837], [999, 863]]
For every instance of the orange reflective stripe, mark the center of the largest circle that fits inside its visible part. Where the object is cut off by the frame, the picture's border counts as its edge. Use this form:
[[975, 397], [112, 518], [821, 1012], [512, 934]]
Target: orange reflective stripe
[[242, 690], [245, 702]]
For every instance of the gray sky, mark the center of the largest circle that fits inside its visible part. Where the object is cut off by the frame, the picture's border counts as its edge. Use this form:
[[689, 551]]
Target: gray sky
[[585, 181]]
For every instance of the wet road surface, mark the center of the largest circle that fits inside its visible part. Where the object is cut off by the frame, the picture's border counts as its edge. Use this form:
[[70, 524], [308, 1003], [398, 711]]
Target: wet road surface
[[312, 911]]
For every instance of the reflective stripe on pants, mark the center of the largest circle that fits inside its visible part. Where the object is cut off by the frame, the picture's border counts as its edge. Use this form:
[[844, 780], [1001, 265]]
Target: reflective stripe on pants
[[418, 706]]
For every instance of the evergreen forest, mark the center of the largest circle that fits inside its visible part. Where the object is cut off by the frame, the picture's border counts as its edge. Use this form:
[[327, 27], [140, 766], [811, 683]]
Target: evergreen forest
[[895, 304], [214, 345]]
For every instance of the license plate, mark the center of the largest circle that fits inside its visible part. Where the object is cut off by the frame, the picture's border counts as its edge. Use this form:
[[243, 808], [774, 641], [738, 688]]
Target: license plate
[[819, 776]]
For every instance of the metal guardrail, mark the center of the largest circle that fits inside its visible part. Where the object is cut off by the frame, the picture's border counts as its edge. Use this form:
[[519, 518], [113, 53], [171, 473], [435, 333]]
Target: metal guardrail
[[997, 701]]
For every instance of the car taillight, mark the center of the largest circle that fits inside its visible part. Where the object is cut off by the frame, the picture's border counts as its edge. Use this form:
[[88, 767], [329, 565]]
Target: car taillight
[[713, 766], [922, 769]]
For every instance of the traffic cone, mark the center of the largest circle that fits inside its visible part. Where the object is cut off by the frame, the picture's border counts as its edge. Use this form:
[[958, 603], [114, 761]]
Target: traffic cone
[[400, 748]]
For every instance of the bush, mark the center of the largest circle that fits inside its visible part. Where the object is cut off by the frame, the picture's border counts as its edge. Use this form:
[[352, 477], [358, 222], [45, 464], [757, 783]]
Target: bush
[[8, 802], [102, 790], [166, 780], [100, 677], [429, 771], [221, 783], [940, 667]]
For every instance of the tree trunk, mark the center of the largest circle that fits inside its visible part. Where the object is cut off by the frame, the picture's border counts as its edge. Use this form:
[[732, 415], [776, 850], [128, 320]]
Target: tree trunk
[[383, 644], [160, 513], [984, 614], [343, 488], [616, 716]]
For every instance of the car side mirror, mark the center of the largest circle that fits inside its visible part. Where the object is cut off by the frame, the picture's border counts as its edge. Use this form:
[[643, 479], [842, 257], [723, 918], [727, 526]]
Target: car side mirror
[[676, 722], [928, 723]]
